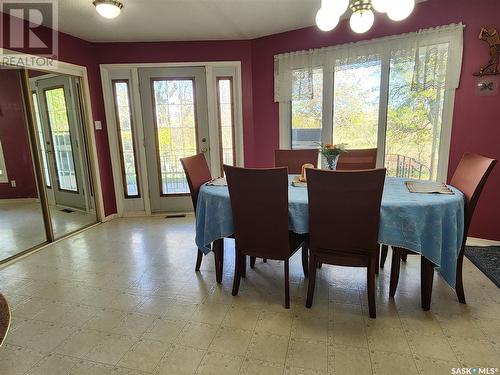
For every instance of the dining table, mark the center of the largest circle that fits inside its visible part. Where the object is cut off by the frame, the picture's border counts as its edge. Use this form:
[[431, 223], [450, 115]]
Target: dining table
[[429, 224]]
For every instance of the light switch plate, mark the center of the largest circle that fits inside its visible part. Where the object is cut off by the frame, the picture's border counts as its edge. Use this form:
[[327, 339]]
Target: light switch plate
[[13, 183], [98, 125]]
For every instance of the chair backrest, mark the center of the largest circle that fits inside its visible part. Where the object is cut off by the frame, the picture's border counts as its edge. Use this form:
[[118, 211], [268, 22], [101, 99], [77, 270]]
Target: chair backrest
[[470, 177], [344, 209], [197, 173], [355, 160], [295, 159], [259, 203]]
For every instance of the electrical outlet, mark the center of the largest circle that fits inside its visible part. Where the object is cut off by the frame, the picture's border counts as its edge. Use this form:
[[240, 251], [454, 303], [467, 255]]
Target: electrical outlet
[[13, 183], [98, 125]]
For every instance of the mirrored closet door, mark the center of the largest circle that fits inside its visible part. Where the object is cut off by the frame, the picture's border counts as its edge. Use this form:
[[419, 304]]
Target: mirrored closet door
[[21, 215], [46, 189]]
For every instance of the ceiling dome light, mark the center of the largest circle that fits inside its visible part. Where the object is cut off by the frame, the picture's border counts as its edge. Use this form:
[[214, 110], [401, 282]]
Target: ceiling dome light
[[325, 20], [398, 10], [108, 8], [380, 6]]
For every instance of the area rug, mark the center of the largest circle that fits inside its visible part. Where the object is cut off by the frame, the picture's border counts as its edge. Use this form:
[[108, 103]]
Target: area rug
[[487, 259]]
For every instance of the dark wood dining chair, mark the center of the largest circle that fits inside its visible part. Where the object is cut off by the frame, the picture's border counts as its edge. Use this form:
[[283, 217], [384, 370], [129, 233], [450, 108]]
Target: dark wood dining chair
[[470, 178], [197, 174], [355, 160], [259, 204], [295, 159], [344, 216], [5, 317]]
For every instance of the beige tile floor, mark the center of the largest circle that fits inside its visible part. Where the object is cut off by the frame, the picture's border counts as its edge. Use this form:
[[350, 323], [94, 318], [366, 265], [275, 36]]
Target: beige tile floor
[[123, 298]]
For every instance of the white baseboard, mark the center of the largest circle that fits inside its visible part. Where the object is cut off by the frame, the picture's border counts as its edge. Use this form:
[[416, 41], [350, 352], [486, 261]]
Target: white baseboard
[[110, 217], [473, 241]]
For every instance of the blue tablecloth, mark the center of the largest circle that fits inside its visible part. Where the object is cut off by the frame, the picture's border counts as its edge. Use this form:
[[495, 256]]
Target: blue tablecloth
[[429, 224]]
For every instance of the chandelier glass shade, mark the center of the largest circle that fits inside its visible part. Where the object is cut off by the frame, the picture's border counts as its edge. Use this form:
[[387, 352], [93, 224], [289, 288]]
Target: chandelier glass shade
[[362, 17]]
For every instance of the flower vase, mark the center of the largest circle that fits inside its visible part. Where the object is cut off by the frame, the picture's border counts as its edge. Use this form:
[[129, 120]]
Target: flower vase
[[332, 162]]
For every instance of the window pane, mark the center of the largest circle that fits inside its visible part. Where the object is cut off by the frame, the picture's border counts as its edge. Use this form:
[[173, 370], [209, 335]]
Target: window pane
[[356, 104], [415, 112], [176, 131], [126, 137], [307, 103], [226, 126], [61, 139], [42, 140]]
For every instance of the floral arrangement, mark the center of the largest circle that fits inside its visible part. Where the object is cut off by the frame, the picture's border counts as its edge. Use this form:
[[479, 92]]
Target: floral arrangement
[[331, 153]]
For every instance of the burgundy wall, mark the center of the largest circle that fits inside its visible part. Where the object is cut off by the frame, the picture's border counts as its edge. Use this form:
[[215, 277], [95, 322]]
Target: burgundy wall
[[15, 139], [476, 121]]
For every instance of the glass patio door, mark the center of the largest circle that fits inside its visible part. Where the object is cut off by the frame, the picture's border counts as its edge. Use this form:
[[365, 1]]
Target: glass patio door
[[175, 115], [59, 111]]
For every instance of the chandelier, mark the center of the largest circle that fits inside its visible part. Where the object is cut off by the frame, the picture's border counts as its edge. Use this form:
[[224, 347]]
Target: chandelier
[[362, 16]]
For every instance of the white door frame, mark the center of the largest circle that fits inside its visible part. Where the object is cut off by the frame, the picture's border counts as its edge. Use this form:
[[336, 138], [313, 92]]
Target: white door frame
[[132, 68], [61, 67]]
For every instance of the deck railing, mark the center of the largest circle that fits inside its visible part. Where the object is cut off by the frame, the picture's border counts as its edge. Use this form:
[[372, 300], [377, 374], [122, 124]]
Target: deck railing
[[406, 167]]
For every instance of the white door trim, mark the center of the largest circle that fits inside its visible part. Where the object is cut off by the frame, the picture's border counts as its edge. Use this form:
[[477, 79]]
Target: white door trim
[[106, 70], [62, 67]]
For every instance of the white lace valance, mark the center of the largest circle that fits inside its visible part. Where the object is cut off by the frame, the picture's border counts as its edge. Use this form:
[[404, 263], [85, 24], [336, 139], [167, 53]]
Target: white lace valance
[[437, 55]]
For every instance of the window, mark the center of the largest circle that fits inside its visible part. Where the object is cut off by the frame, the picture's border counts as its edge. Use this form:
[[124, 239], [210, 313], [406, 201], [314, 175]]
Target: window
[[414, 116], [225, 112], [356, 98], [126, 138], [61, 139], [307, 108], [394, 94], [3, 169], [174, 115], [43, 149]]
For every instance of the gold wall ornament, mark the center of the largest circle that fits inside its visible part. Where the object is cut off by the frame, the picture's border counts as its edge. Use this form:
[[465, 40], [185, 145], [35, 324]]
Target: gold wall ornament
[[490, 35]]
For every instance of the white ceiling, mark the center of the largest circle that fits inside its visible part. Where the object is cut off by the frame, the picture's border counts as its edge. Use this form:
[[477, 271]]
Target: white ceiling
[[163, 20], [166, 20]]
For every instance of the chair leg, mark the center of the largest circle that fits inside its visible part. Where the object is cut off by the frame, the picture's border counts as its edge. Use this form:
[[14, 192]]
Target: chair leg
[[199, 258], [244, 266], [305, 259], [312, 280], [426, 281], [395, 266], [218, 249], [252, 262], [237, 272], [287, 284], [383, 254], [377, 260], [372, 267], [459, 284]]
